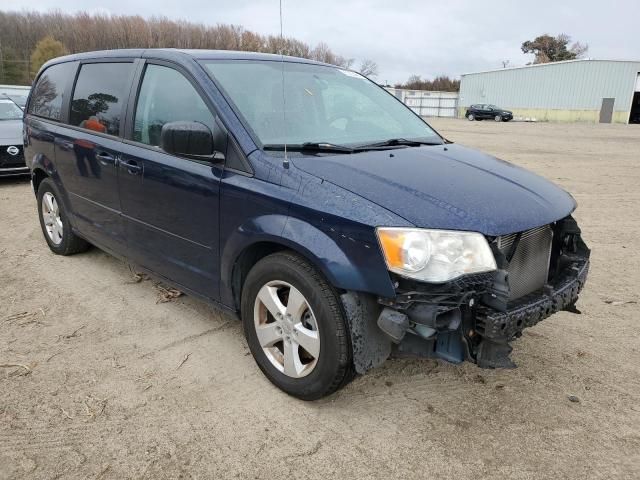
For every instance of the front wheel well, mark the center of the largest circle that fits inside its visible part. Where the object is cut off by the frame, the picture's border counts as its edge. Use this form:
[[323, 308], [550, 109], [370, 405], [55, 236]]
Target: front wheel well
[[37, 177], [245, 261], [252, 255]]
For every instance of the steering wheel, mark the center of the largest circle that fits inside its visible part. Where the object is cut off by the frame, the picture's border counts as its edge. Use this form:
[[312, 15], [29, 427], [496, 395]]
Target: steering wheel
[[339, 116]]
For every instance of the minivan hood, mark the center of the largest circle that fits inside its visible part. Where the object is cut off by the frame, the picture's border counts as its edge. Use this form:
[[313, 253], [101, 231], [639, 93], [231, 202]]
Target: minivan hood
[[10, 132], [446, 187]]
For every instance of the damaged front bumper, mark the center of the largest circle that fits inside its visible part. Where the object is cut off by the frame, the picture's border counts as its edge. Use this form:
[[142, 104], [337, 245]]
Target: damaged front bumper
[[470, 318], [559, 295], [497, 328]]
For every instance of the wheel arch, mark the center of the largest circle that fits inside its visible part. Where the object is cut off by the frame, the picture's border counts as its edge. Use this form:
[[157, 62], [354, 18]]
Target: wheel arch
[[258, 250], [37, 176], [42, 168], [248, 257], [338, 258]]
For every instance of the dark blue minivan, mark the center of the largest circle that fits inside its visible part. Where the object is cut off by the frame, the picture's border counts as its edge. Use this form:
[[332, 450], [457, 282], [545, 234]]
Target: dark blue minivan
[[337, 223]]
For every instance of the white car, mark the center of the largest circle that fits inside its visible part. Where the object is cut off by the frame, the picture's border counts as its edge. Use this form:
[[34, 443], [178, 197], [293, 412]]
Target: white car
[[11, 153]]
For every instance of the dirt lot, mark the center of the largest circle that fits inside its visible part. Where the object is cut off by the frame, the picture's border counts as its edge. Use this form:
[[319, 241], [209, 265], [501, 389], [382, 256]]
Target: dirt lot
[[118, 385]]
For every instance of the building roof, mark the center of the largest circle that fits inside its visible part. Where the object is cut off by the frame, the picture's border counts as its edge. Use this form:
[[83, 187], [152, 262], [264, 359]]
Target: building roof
[[536, 65]]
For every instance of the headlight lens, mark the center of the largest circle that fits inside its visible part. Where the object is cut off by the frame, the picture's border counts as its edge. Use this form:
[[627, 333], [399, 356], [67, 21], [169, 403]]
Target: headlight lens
[[435, 255]]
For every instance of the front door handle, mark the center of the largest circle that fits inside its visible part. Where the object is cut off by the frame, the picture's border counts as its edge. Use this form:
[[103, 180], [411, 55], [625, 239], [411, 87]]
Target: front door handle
[[105, 158], [133, 167]]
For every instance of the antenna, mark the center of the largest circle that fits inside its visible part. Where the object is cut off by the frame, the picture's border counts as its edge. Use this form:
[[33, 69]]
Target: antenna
[[284, 102]]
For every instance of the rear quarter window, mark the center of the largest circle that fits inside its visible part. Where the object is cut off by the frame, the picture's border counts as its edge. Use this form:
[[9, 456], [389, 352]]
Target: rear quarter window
[[48, 94], [99, 95]]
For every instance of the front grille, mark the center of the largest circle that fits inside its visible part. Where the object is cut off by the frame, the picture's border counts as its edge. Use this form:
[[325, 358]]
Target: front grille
[[529, 266], [7, 160]]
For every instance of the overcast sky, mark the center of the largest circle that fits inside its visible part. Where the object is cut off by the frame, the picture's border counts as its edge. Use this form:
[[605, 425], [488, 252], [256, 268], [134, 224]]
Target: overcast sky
[[425, 37]]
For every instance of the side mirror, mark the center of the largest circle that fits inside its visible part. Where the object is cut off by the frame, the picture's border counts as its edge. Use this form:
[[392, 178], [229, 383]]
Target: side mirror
[[187, 139]]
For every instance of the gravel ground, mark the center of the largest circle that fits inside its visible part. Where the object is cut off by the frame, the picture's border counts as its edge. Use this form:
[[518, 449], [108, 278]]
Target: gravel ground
[[118, 384]]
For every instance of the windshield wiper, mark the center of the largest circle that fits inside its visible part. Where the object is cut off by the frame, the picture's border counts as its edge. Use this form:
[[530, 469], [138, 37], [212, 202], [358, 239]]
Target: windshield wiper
[[397, 142], [333, 148], [310, 147]]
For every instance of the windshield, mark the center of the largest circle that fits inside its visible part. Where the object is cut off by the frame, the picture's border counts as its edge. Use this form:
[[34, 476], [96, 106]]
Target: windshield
[[322, 104], [9, 110]]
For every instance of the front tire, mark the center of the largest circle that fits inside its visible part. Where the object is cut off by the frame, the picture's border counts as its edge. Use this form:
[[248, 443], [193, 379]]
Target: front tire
[[498, 118], [471, 117], [295, 327], [55, 222]]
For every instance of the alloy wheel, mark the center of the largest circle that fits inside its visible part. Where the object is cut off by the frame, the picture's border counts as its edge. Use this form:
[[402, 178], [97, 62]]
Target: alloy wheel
[[51, 217], [287, 329]]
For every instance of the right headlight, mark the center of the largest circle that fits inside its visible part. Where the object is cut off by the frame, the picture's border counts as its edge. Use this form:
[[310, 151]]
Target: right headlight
[[434, 255]]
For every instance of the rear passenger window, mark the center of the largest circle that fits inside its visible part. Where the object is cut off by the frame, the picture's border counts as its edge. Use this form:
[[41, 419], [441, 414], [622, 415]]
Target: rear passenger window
[[46, 100], [166, 96], [101, 91]]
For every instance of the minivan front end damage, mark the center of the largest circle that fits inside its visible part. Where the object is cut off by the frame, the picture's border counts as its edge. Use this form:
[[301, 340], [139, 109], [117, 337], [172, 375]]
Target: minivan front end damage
[[475, 317]]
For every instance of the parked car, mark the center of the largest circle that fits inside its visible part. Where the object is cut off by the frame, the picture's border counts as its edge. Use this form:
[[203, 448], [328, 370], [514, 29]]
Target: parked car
[[19, 100], [17, 93], [337, 223], [11, 154], [491, 112]]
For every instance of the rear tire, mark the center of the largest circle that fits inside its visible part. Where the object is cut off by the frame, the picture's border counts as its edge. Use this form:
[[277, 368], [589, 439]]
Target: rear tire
[[55, 222], [310, 327]]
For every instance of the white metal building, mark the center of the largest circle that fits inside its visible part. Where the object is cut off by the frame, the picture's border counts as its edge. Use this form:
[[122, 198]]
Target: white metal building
[[427, 103], [603, 91]]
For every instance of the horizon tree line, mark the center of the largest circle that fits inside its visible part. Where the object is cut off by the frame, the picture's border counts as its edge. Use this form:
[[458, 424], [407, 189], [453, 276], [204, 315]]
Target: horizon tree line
[[20, 33]]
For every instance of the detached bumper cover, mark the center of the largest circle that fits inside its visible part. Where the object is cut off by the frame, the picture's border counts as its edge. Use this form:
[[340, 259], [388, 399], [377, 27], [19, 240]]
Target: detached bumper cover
[[560, 295]]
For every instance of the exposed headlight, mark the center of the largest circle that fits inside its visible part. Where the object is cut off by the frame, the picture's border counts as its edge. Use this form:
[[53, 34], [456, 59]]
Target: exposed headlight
[[435, 255]]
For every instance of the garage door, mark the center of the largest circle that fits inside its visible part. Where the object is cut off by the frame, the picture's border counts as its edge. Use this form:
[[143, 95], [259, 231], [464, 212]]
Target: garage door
[[638, 83]]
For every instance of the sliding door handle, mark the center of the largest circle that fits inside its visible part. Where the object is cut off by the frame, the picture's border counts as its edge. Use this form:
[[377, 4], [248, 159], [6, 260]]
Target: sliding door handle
[[132, 167], [106, 158]]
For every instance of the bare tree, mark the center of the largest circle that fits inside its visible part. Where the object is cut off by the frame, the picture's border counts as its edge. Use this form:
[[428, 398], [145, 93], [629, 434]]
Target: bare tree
[[344, 62], [322, 53], [369, 68], [580, 49]]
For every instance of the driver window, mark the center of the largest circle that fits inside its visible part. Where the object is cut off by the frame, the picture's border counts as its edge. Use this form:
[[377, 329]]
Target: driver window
[[166, 96]]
